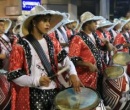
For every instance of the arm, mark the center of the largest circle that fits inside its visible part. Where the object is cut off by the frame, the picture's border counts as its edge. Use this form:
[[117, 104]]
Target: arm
[[17, 72], [2, 56]]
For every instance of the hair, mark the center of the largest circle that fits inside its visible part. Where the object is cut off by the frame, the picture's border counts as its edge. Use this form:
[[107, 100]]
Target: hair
[[2, 20], [36, 20]]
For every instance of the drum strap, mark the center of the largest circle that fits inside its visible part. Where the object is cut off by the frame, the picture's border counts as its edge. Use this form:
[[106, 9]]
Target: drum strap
[[41, 55], [112, 36], [43, 59], [63, 34]]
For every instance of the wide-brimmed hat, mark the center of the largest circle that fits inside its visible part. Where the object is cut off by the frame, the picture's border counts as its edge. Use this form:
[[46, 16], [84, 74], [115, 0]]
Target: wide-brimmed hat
[[19, 21], [7, 23], [104, 23], [56, 19], [88, 16], [123, 23], [66, 14], [116, 21]]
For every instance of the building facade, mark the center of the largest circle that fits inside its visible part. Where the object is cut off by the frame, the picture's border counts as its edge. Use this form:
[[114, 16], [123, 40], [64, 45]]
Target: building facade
[[13, 8]]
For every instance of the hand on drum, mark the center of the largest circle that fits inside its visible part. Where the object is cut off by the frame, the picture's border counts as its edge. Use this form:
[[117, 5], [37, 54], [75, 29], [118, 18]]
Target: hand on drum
[[44, 81], [114, 50], [126, 45], [75, 82]]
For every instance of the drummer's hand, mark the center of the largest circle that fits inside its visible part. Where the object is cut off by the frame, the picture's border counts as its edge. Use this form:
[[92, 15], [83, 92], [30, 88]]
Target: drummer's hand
[[44, 81], [74, 80], [92, 68], [105, 41], [126, 45], [114, 50]]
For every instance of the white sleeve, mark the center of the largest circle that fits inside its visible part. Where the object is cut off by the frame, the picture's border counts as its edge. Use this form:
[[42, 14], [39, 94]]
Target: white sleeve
[[67, 62], [27, 81], [120, 48]]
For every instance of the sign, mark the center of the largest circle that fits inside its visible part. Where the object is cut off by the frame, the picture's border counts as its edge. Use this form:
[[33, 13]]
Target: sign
[[27, 5]]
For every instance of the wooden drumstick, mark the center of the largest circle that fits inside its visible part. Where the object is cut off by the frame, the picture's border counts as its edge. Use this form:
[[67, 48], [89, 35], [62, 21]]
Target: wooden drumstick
[[60, 71]]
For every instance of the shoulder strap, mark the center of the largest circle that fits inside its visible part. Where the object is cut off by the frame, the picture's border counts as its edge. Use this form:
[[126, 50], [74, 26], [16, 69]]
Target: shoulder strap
[[63, 34], [41, 54]]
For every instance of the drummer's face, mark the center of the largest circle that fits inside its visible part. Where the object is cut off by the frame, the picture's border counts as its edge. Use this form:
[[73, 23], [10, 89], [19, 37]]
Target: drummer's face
[[93, 26], [2, 27]]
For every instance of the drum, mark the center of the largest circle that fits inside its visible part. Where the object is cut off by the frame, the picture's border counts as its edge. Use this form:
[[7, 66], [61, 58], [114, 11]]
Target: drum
[[128, 69], [5, 94], [87, 99], [116, 88], [121, 58]]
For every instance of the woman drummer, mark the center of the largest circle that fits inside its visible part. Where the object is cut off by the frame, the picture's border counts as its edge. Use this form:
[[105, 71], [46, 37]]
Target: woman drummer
[[30, 71]]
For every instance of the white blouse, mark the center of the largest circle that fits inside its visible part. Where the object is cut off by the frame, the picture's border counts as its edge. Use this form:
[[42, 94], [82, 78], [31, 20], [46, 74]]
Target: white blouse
[[36, 73]]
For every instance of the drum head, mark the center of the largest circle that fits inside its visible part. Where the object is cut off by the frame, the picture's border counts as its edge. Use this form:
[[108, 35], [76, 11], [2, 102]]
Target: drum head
[[113, 72], [87, 99], [121, 58]]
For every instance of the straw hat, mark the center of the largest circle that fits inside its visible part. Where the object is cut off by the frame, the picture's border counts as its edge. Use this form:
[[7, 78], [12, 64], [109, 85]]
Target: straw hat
[[115, 22], [104, 23], [8, 24], [123, 23], [56, 19], [19, 21], [67, 15], [88, 16]]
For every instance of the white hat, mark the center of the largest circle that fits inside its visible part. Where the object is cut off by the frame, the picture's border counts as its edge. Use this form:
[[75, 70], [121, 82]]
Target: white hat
[[123, 23], [67, 15], [88, 16], [55, 21], [104, 23], [115, 22], [19, 21], [8, 24]]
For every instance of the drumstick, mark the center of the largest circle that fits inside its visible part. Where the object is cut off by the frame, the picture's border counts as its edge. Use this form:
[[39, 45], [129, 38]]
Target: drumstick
[[60, 71]]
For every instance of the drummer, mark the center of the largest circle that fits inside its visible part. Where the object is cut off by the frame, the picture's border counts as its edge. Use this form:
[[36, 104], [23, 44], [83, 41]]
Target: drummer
[[103, 33], [5, 49], [85, 53], [32, 87], [122, 39], [5, 44]]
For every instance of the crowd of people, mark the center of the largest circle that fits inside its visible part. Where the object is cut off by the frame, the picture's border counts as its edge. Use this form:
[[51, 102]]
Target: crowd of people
[[45, 42]]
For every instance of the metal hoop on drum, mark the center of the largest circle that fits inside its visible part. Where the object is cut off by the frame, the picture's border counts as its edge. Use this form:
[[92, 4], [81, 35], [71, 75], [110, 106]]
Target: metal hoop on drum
[[87, 99], [114, 87], [5, 95]]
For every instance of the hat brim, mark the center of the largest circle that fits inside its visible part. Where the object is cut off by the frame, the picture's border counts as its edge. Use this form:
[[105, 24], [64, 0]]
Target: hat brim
[[114, 24], [56, 20], [15, 28], [105, 25]]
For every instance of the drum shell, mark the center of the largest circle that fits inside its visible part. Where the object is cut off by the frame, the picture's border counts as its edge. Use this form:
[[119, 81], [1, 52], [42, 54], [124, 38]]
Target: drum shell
[[113, 90], [4, 92]]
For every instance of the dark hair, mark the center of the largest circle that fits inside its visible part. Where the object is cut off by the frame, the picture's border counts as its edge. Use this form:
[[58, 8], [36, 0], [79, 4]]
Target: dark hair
[[37, 19], [1, 20]]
